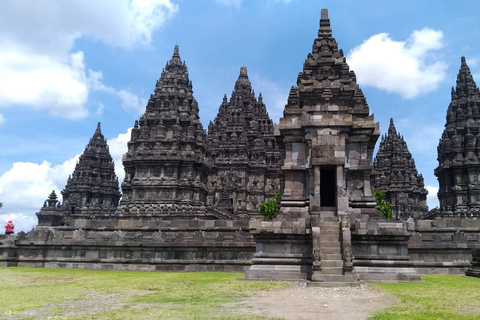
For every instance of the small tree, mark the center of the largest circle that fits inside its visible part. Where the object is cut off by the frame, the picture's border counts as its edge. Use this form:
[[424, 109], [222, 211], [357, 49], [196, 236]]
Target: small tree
[[269, 207], [384, 206]]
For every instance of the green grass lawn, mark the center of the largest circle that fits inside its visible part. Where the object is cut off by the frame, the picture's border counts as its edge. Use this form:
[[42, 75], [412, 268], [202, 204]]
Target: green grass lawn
[[438, 297], [30, 293]]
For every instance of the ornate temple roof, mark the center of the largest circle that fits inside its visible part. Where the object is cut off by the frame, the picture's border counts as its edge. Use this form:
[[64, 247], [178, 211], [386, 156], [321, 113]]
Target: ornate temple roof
[[93, 182], [326, 80], [461, 136], [459, 148], [395, 173], [166, 165], [242, 123], [243, 151], [171, 120]]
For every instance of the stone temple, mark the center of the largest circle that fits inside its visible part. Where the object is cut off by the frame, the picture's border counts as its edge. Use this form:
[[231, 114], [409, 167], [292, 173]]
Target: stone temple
[[190, 199], [166, 166], [458, 170], [91, 191], [396, 175], [244, 153]]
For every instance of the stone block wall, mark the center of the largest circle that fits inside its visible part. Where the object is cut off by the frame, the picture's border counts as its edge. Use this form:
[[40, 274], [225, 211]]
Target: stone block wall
[[193, 245], [444, 246], [381, 252]]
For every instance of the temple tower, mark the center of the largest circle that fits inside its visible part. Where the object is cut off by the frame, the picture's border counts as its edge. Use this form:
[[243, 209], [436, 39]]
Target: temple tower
[[396, 175], [166, 168], [244, 153], [459, 150], [92, 189], [327, 137]]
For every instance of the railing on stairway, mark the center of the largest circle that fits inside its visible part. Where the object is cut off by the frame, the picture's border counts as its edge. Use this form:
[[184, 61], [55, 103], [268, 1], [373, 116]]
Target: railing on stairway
[[346, 241]]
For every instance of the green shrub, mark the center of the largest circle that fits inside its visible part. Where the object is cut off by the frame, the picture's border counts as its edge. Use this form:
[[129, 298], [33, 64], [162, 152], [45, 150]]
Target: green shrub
[[269, 207], [384, 206]]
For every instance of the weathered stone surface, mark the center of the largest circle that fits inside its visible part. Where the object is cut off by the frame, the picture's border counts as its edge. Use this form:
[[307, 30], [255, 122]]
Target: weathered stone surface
[[396, 175], [327, 137], [243, 152], [326, 133], [459, 150], [166, 168], [91, 191]]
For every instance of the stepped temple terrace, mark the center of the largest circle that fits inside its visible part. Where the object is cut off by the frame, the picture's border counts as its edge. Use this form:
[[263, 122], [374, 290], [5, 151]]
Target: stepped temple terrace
[[190, 198]]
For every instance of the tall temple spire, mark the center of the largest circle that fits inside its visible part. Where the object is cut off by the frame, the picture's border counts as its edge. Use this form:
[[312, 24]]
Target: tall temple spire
[[93, 184], [396, 175], [244, 152], [328, 107], [165, 165], [459, 150]]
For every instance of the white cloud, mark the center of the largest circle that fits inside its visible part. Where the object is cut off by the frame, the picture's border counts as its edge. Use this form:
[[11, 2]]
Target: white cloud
[[130, 101], [38, 67], [118, 147], [2, 119], [25, 187], [432, 199], [43, 82], [100, 108], [408, 68]]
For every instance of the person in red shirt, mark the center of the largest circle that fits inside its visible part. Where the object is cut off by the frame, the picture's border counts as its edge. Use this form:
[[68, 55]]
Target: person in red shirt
[[9, 227]]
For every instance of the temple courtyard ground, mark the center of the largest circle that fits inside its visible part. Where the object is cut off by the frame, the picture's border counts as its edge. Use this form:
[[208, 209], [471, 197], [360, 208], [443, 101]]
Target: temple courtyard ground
[[28, 293]]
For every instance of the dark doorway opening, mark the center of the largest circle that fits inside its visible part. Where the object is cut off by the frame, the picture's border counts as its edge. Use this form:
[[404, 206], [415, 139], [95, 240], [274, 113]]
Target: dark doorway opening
[[328, 187]]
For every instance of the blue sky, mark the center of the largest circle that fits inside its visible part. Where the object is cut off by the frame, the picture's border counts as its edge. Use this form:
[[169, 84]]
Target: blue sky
[[64, 66]]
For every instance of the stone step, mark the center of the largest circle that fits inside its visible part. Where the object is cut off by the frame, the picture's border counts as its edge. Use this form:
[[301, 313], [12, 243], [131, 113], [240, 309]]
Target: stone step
[[317, 276], [330, 250], [332, 264], [329, 223], [328, 219], [330, 244], [332, 226], [315, 284], [328, 232], [331, 270], [324, 257], [328, 238]]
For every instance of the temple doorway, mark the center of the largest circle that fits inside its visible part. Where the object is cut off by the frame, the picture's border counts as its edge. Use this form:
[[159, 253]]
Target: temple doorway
[[328, 187]]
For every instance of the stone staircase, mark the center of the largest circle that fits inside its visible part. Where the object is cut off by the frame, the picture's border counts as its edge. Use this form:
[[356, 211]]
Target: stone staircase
[[331, 272]]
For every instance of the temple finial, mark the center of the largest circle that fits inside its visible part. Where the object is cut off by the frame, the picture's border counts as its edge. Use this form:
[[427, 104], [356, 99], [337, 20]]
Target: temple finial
[[324, 30], [324, 15], [176, 52], [98, 128], [464, 61], [243, 71], [243, 79], [391, 129]]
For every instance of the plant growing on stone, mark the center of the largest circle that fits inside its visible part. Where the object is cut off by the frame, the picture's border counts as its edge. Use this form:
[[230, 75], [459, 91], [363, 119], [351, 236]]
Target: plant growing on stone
[[269, 207], [384, 206]]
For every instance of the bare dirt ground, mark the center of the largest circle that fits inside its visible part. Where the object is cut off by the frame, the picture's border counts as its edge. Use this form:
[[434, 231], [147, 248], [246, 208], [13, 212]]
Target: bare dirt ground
[[299, 302], [294, 302]]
